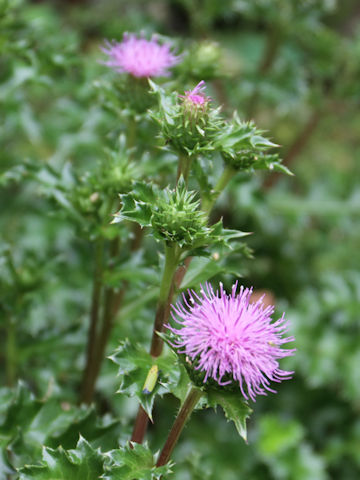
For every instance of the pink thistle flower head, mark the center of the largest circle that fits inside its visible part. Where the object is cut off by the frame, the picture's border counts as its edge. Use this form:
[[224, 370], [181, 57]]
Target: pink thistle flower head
[[196, 97], [230, 340], [140, 57]]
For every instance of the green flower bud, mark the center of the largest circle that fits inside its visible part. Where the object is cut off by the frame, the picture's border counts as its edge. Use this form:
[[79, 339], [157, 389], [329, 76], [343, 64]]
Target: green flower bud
[[243, 146], [177, 219], [202, 61], [117, 172]]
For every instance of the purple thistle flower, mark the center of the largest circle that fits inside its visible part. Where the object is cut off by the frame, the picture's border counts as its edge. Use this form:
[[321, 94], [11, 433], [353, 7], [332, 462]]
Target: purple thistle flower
[[231, 339], [196, 96], [140, 57]]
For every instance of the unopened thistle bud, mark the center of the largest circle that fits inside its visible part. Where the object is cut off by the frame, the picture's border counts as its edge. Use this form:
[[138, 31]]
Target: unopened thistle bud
[[188, 122], [177, 218], [202, 61], [243, 145]]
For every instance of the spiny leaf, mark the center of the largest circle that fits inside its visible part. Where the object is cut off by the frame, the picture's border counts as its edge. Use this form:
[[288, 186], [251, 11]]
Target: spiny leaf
[[83, 463], [234, 407], [136, 206], [134, 364], [134, 462], [26, 424]]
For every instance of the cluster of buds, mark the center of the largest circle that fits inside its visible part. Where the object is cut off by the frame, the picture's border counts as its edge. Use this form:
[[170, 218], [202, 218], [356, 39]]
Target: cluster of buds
[[114, 174]]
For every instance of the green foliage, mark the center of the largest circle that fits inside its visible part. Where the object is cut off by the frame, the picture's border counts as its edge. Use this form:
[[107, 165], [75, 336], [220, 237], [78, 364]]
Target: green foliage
[[26, 424], [134, 462], [82, 463], [279, 447], [134, 364], [234, 408]]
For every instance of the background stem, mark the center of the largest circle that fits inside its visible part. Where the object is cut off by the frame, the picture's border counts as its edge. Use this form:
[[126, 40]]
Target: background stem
[[273, 42], [87, 391], [11, 354]]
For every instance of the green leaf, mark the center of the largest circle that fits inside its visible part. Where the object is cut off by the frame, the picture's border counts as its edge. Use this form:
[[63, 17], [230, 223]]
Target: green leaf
[[133, 210], [271, 162], [26, 424], [136, 206], [222, 236], [83, 463], [134, 364], [200, 270], [134, 462], [235, 408]]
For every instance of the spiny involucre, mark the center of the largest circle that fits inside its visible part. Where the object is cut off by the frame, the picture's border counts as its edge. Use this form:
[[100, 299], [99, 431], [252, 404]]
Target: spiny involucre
[[177, 219], [231, 340], [188, 122]]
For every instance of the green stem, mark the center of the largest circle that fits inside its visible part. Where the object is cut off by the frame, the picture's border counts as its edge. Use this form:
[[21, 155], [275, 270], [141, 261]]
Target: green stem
[[89, 372], [172, 277], [183, 416], [131, 132], [11, 353], [172, 255], [184, 166], [208, 203]]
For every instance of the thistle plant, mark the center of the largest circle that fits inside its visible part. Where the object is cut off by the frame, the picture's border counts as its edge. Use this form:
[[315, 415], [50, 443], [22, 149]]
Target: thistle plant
[[191, 127], [227, 348], [137, 177]]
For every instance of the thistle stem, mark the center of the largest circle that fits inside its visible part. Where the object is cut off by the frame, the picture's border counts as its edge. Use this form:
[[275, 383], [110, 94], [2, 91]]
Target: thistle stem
[[208, 203], [172, 278], [184, 166], [131, 132], [191, 400], [165, 296], [172, 254]]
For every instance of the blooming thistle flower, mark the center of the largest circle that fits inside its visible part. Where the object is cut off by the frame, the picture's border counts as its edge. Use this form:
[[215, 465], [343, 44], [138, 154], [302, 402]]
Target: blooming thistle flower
[[230, 340], [140, 57]]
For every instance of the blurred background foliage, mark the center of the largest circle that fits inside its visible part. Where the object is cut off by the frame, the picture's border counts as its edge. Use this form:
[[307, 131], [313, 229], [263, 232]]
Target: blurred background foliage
[[293, 67]]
